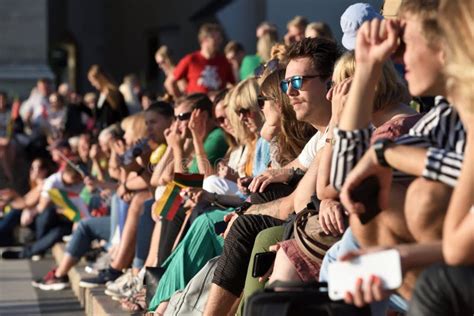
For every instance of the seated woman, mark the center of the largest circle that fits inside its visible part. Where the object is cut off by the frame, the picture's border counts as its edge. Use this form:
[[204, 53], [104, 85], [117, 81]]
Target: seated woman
[[201, 243], [22, 209], [445, 288]]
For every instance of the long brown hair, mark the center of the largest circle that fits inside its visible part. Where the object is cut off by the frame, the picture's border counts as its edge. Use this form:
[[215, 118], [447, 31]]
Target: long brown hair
[[294, 134], [113, 96]]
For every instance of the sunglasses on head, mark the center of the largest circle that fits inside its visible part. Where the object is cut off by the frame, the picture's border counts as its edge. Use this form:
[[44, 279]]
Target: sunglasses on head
[[261, 101], [295, 81], [183, 116], [270, 65]]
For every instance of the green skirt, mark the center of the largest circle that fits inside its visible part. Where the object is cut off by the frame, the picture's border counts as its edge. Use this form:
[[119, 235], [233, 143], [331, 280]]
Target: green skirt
[[200, 244]]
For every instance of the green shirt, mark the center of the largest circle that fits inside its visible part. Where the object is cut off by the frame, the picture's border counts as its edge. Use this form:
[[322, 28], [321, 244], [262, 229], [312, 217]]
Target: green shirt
[[249, 63], [215, 147]]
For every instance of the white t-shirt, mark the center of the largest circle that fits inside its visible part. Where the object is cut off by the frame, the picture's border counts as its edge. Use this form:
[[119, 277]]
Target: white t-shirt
[[55, 181], [315, 144]]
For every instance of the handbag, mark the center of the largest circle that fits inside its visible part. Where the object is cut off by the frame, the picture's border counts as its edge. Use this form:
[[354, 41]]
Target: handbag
[[310, 237], [299, 299], [151, 280]]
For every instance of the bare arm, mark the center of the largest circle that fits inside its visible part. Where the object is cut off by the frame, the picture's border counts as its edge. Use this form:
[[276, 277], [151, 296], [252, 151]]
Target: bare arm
[[280, 208], [307, 186], [164, 169], [172, 86], [396, 156], [458, 236]]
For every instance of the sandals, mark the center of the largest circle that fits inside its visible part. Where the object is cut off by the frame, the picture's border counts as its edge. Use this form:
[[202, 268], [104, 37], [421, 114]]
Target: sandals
[[134, 303]]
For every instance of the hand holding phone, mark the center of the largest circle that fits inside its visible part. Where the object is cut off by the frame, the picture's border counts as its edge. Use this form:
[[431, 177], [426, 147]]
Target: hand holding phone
[[220, 227], [343, 275], [262, 262]]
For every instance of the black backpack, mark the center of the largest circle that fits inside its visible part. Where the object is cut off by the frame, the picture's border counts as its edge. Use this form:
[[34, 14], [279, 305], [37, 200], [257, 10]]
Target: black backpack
[[299, 299]]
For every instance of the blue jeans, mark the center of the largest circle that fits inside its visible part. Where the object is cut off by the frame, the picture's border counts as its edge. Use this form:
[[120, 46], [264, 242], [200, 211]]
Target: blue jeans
[[349, 243], [50, 228], [7, 225], [146, 225], [94, 228], [122, 215]]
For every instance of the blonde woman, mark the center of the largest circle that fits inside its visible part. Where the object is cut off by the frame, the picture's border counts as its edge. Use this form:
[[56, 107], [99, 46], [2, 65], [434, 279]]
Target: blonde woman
[[165, 62], [110, 107], [447, 289]]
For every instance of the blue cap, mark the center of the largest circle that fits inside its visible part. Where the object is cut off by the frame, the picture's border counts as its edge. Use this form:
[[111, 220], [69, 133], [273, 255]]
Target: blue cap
[[352, 19]]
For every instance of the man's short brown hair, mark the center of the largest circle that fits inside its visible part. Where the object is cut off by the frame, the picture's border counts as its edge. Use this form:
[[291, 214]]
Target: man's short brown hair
[[207, 29], [427, 12], [323, 54]]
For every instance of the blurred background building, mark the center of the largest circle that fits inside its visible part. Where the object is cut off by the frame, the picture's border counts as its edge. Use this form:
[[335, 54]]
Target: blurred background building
[[61, 39]]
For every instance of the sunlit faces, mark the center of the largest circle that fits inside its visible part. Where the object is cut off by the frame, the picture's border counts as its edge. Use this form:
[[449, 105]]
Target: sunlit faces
[[272, 111], [221, 118], [156, 125], [311, 96], [423, 63], [180, 110]]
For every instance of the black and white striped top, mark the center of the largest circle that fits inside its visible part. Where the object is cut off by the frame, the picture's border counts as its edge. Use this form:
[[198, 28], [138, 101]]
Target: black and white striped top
[[440, 131]]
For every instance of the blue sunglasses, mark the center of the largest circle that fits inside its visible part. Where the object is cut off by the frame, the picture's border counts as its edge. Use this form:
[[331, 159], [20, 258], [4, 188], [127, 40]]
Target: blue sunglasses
[[295, 81]]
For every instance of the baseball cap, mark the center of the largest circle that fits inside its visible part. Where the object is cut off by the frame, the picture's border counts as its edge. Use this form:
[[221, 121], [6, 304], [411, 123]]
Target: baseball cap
[[354, 16]]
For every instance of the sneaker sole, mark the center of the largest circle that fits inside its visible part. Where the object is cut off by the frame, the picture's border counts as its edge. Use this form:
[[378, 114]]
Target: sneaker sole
[[89, 285], [53, 287], [90, 270], [111, 293]]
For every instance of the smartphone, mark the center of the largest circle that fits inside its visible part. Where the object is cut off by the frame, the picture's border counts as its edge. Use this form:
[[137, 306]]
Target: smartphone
[[342, 275], [367, 193], [220, 227], [262, 263], [245, 181]]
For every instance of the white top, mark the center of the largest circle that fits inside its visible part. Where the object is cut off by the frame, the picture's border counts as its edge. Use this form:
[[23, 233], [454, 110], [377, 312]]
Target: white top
[[55, 181], [315, 144]]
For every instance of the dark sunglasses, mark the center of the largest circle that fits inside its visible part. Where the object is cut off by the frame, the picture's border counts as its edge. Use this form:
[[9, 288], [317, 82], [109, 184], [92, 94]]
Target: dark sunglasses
[[295, 81], [183, 116], [270, 65], [220, 120], [242, 111], [261, 101]]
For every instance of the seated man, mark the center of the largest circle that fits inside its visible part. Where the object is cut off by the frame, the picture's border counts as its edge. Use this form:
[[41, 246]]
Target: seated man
[[50, 224], [308, 72]]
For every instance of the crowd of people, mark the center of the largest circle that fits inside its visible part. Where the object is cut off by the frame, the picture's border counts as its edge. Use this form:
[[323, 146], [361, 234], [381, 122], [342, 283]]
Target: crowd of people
[[314, 152]]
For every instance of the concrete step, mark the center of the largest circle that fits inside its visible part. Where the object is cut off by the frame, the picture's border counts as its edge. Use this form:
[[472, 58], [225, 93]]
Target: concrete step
[[94, 301]]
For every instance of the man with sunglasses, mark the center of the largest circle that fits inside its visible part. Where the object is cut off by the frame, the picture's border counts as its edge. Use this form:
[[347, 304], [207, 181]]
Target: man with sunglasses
[[307, 76]]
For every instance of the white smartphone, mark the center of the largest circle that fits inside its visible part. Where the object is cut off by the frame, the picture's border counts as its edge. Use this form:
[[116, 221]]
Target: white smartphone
[[342, 275]]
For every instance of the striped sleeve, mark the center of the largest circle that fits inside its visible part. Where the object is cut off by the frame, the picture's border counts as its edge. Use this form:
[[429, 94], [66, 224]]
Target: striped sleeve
[[443, 166], [349, 147]]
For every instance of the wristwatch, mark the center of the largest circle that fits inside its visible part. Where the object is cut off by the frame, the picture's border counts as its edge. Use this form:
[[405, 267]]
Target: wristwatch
[[380, 146], [241, 209]]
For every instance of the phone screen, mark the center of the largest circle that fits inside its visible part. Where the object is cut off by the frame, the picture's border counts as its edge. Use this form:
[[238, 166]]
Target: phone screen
[[220, 227], [262, 263]]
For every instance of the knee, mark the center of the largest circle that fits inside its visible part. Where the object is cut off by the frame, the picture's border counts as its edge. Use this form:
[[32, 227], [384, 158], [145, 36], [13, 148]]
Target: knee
[[425, 207]]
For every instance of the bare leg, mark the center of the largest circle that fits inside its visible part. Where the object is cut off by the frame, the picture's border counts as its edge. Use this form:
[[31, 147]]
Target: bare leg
[[126, 249], [425, 208], [220, 301], [67, 262], [284, 269], [161, 309], [152, 257]]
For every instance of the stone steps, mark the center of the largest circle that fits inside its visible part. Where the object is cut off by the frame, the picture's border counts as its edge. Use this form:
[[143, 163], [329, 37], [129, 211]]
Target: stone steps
[[94, 301]]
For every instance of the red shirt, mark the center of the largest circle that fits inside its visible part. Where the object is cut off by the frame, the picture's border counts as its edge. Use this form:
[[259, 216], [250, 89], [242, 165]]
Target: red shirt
[[204, 75]]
